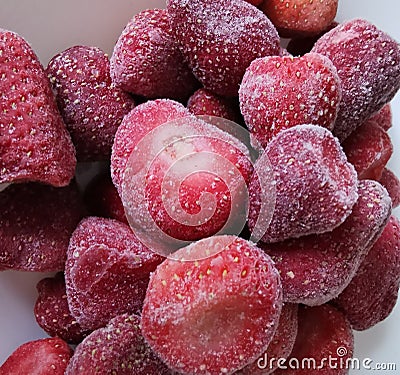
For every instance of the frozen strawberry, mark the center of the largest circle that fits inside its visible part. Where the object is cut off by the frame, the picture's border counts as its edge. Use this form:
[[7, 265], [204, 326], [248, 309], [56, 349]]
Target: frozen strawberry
[[300, 17], [372, 293], [119, 348], [368, 148], [301, 45], [52, 311], [35, 145], [204, 102], [139, 122], [102, 199], [324, 343], [280, 92], [317, 268], [383, 118], [36, 222], [107, 271], [255, 2], [315, 186], [215, 314], [92, 107], [368, 64], [281, 345], [220, 39], [147, 61], [40, 357], [392, 184], [185, 180]]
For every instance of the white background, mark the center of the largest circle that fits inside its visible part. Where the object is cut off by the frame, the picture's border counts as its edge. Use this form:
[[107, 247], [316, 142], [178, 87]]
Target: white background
[[53, 25]]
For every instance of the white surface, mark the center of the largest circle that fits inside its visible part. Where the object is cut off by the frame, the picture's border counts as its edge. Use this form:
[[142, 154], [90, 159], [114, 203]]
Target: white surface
[[51, 26]]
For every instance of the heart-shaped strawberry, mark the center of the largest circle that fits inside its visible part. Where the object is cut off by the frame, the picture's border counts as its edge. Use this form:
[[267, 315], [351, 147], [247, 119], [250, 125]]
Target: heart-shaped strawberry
[[280, 92], [34, 142]]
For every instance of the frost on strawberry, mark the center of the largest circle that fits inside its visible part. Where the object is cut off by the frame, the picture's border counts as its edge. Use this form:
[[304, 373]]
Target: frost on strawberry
[[107, 271], [368, 64], [281, 345], [91, 106], [216, 314], [52, 311], [36, 222], [34, 142], [147, 61], [392, 184], [119, 348], [317, 268], [372, 293], [220, 39], [315, 186], [280, 92]]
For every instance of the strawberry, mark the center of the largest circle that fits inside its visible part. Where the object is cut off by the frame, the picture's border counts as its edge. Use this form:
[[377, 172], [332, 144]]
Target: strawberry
[[280, 92], [383, 118], [368, 148], [119, 348], [324, 333], [281, 345], [147, 61], [295, 18], [204, 102], [314, 269], [392, 184], [314, 190], [368, 65], [215, 314], [92, 107], [52, 310], [107, 271], [40, 357], [372, 293], [36, 222], [255, 2], [35, 145], [219, 39], [102, 199]]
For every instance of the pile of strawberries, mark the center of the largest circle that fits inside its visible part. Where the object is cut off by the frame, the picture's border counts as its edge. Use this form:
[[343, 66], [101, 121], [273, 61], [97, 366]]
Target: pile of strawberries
[[317, 253]]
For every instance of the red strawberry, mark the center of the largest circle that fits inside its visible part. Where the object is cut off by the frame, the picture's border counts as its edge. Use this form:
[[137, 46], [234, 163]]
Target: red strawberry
[[317, 268], [281, 345], [219, 39], [204, 102], [368, 65], [107, 271], [40, 357], [92, 107], [119, 348], [255, 2], [280, 92], [392, 184], [103, 200], [368, 148], [383, 118], [324, 333], [171, 180], [215, 314], [35, 145], [147, 61], [315, 187], [372, 293], [52, 311], [36, 222], [300, 17], [301, 45]]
